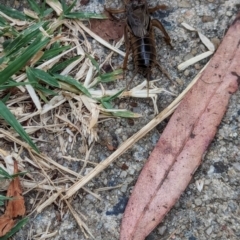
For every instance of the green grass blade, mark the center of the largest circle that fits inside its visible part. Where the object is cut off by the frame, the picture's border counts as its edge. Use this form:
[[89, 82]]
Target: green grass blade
[[84, 15], [11, 84], [94, 62], [47, 12], [5, 98], [34, 5], [45, 91], [11, 12], [110, 77], [51, 53], [32, 77], [73, 82], [16, 228], [111, 98], [64, 5], [35, 26], [60, 66], [24, 38], [44, 76], [3, 198], [6, 175], [8, 31], [69, 9], [15, 46], [124, 114], [12, 121], [21, 61], [3, 22]]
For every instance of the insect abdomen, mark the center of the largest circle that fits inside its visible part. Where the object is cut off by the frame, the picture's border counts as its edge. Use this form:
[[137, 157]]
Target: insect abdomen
[[144, 53]]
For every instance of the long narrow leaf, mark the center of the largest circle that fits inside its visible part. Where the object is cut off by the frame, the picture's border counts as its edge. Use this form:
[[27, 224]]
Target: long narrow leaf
[[5, 175], [69, 9], [44, 90], [74, 82], [11, 12], [19, 42], [12, 84], [84, 15], [3, 22], [117, 113], [12, 121], [16, 228], [60, 66], [3, 198], [64, 6], [34, 5], [47, 12], [109, 77], [44, 76], [51, 53], [111, 98], [25, 37], [21, 61], [94, 62]]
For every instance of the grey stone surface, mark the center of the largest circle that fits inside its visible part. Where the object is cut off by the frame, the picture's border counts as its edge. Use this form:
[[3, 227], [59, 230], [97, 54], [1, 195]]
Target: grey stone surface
[[214, 212]]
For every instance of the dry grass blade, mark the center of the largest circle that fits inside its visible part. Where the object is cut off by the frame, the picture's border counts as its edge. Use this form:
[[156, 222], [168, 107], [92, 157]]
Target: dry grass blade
[[193, 60], [100, 40], [49, 201], [55, 5], [81, 224], [205, 41], [132, 140]]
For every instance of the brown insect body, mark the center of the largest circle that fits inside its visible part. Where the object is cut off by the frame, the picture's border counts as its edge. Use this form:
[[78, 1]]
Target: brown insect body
[[139, 37], [142, 39]]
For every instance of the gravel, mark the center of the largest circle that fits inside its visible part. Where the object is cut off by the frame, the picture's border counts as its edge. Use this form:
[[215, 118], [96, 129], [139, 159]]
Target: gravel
[[212, 213]]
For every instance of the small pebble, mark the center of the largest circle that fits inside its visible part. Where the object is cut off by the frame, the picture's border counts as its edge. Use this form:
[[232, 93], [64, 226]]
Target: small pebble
[[198, 202], [197, 66], [162, 230], [207, 19], [209, 230], [186, 72], [123, 174], [184, 4]]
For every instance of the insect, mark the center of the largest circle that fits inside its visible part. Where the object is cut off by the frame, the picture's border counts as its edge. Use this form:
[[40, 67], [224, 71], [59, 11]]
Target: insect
[[139, 37]]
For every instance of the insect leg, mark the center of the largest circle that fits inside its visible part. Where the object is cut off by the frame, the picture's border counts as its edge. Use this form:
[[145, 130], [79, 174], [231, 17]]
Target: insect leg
[[164, 71], [148, 79], [134, 75], [127, 51], [157, 24], [112, 11], [126, 31], [158, 7]]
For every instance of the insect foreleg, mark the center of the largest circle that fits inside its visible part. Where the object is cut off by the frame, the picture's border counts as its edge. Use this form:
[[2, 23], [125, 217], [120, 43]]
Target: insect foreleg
[[158, 7], [157, 24], [127, 47], [127, 51]]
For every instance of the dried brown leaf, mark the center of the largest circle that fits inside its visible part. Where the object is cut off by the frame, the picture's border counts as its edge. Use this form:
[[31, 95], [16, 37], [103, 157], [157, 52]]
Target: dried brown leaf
[[15, 206], [184, 141], [109, 29], [6, 224]]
